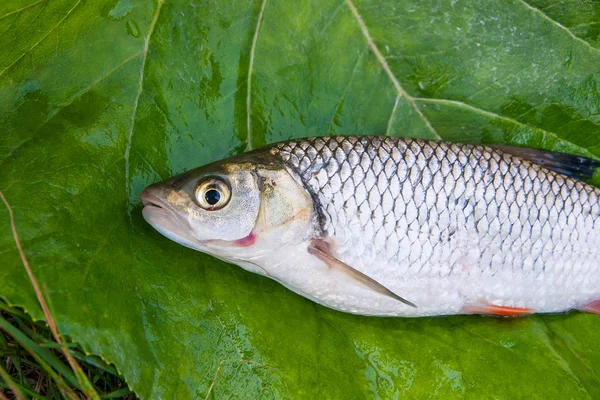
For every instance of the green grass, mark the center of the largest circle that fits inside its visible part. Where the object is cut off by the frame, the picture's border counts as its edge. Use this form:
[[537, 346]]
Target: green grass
[[33, 365]]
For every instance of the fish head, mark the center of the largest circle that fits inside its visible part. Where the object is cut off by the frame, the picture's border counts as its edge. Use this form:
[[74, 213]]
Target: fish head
[[237, 209]]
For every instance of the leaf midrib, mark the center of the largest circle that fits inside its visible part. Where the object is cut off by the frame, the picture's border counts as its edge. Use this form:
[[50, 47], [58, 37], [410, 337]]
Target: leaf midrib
[[137, 98]]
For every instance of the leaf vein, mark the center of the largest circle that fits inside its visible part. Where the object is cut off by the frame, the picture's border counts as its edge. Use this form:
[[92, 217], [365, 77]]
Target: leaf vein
[[139, 93], [566, 365], [42, 39], [558, 24], [491, 114], [249, 85], [97, 81], [52, 114], [21, 9], [392, 116], [345, 93], [386, 68]]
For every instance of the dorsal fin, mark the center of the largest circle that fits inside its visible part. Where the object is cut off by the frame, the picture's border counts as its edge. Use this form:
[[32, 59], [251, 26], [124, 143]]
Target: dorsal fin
[[571, 165]]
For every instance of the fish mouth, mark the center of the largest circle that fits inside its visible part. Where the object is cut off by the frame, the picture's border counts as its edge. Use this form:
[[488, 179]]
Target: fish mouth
[[151, 200], [154, 204], [162, 217]]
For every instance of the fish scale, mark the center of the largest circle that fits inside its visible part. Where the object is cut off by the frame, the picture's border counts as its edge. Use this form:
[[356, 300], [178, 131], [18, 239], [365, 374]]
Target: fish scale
[[404, 211]]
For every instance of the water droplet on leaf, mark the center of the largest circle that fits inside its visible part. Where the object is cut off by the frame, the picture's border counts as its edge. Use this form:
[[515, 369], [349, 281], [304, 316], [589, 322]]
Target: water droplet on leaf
[[122, 8], [133, 28]]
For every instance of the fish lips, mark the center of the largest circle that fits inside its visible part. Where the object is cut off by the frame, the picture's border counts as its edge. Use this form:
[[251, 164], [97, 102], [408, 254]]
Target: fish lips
[[162, 217]]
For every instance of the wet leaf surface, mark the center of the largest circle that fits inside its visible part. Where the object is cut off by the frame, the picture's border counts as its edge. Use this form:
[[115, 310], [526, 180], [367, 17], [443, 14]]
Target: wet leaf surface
[[100, 99]]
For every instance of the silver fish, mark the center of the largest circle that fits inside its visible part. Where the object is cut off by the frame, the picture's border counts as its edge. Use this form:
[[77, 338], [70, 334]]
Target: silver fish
[[397, 227]]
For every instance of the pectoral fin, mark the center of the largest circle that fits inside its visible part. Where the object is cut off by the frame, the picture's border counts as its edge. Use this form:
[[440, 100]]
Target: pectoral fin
[[320, 249]]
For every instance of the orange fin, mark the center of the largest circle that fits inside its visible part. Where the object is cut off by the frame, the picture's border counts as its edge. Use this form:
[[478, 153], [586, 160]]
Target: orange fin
[[593, 307], [491, 309], [322, 250]]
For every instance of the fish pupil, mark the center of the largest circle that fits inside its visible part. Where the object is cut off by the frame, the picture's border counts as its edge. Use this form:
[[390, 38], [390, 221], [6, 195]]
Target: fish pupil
[[212, 196]]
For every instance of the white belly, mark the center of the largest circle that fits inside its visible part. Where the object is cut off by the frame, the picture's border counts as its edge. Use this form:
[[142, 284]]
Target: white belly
[[437, 289]]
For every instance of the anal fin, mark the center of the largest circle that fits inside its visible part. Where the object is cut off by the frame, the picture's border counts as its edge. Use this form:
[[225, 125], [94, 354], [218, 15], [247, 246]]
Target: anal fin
[[491, 309], [593, 307], [321, 249]]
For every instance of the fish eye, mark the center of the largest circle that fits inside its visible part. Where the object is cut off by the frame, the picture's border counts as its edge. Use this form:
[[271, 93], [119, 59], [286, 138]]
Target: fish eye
[[213, 194]]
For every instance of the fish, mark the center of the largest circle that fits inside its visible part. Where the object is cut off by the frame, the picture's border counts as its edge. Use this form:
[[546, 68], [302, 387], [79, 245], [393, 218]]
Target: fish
[[397, 227]]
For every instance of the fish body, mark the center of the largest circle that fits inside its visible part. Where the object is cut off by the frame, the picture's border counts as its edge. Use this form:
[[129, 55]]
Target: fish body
[[397, 227]]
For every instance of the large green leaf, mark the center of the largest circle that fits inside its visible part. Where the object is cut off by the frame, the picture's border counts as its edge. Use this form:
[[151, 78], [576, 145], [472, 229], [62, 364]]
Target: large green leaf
[[100, 98]]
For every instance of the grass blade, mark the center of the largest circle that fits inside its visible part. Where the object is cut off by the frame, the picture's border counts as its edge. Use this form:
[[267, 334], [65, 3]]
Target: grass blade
[[117, 394], [35, 362], [11, 384], [84, 382], [28, 392], [44, 358]]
